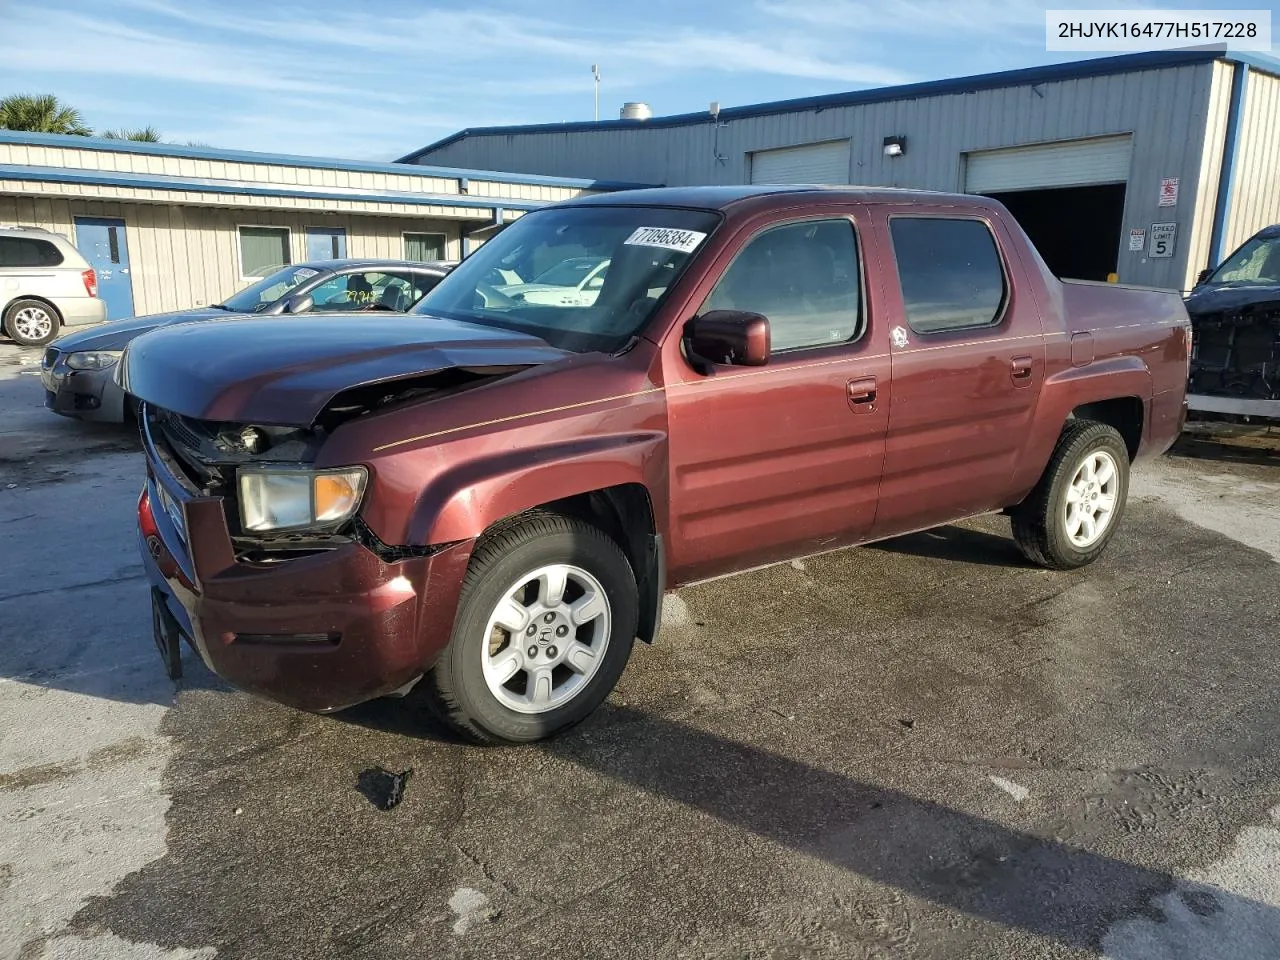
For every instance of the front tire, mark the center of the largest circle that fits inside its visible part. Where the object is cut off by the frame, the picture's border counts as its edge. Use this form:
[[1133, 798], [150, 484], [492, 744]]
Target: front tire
[[1074, 511], [544, 629], [31, 323]]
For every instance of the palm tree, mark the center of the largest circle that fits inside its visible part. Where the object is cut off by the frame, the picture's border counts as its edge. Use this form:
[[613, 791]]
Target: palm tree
[[40, 113], [145, 135]]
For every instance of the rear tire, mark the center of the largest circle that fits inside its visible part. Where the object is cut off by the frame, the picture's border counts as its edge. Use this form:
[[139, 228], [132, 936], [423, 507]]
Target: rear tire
[[31, 323], [1074, 511], [544, 630]]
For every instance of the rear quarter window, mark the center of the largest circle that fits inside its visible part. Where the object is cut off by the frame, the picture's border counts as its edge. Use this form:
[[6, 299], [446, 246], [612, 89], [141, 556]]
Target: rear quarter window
[[951, 274], [28, 252]]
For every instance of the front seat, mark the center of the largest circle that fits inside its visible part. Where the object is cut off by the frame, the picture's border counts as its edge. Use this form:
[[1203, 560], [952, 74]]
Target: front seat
[[392, 297]]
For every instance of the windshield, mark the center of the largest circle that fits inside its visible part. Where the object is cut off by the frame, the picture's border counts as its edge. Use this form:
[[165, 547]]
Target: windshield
[[647, 248], [1258, 261], [570, 273], [268, 290]]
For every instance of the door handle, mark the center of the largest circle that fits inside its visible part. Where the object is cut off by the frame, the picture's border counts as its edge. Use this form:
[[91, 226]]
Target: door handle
[[862, 394], [1020, 370]]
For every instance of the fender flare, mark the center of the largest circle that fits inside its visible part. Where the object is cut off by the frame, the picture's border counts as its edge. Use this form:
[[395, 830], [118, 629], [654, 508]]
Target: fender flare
[[463, 502], [1109, 379]]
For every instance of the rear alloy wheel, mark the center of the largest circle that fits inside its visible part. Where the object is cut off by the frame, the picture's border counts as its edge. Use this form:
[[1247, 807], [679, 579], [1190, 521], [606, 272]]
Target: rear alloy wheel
[[1074, 510], [31, 323], [544, 630]]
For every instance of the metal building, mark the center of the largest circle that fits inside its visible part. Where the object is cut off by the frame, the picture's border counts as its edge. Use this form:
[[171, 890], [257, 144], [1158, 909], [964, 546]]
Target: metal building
[[169, 227], [1151, 166]]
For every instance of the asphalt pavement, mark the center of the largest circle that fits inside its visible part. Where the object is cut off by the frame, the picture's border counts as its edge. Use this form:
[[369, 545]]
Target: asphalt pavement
[[920, 749]]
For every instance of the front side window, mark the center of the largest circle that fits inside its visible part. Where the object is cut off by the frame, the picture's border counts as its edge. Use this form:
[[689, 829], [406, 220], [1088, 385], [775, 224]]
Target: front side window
[[802, 277], [365, 290], [636, 252], [1258, 261], [28, 252], [263, 250], [950, 272]]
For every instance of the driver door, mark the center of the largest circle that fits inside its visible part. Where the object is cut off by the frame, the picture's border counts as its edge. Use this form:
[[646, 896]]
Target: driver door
[[782, 460]]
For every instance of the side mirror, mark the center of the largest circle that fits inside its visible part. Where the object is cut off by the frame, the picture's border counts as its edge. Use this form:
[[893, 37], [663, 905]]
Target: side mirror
[[300, 303], [1205, 274], [727, 336]]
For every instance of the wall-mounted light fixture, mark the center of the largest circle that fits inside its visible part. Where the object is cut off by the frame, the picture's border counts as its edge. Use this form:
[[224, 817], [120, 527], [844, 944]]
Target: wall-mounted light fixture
[[895, 146]]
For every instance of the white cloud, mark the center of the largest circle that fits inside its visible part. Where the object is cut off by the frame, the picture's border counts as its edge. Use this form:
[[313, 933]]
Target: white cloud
[[361, 81], [1009, 18]]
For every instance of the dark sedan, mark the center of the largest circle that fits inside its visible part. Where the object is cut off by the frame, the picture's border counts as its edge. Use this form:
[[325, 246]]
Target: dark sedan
[[77, 370]]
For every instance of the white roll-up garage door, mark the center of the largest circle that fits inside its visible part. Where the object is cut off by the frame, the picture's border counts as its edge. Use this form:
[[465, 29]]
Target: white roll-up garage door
[[809, 163], [1067, 163]]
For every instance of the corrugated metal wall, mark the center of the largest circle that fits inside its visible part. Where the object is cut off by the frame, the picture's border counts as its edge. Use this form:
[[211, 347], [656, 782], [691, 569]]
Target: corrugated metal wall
[[1165, 110], [1255, 197], [1200, 236], [183, 256], [271, 174]]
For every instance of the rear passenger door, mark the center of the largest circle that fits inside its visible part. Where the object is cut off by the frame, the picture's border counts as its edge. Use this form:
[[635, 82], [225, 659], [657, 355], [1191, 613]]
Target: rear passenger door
[[781, 460], [968, 361]]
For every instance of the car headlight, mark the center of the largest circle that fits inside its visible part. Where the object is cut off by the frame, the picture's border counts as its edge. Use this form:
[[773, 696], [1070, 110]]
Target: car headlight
[[92, 359], [293, 499]]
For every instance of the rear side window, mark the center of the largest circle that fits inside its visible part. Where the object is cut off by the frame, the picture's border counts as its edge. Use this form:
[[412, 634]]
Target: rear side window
[[803, 277], [950, 271], [28, 252]]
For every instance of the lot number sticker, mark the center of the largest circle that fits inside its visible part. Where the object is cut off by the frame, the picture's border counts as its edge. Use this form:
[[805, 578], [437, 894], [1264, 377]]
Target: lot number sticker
[[669, 238], [1162, 238]]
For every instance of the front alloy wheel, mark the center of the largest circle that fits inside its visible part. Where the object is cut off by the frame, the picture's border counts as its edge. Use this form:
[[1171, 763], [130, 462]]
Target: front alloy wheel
[[544, 629], [546, 638]]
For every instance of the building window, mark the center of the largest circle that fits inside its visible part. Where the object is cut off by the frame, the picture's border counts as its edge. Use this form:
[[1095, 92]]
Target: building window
[[803, 277], [950, 273], [424, 247], [263, 250], [326, 243]]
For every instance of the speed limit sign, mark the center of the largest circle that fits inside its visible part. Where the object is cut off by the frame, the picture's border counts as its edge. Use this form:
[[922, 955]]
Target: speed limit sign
[[1162, 237]]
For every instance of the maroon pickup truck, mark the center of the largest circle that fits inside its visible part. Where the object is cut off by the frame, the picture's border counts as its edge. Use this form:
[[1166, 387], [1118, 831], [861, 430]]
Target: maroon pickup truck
[[487, 498]]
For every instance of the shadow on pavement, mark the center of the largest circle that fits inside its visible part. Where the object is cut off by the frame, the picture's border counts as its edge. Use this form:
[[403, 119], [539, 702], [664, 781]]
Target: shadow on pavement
[[952, 858], [957, 543]]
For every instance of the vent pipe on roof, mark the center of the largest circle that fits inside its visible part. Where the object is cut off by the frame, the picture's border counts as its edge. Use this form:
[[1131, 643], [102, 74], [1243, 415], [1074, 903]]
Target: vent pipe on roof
[[635, 110]]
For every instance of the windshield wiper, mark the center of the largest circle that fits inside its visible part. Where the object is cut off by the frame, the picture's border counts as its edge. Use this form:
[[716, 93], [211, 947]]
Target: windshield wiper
[[223, 306]]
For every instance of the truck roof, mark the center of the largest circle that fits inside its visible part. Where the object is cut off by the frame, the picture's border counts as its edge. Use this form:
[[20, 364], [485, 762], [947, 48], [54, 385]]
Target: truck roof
[[722, 198]]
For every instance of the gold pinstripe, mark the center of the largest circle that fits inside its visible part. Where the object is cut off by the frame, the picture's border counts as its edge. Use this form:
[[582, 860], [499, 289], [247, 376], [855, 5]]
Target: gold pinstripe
[[722, 379]]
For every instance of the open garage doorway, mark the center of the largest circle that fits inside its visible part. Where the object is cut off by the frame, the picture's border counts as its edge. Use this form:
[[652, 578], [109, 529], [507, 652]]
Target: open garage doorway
[[1068, 195], [1076, 229]]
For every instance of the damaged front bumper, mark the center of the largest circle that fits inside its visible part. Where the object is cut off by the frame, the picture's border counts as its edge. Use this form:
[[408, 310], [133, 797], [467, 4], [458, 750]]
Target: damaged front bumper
[[318, 630], [1235, 361]]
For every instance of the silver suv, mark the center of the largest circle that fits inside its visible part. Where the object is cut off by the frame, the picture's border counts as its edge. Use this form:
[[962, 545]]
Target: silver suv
[[44, 284]]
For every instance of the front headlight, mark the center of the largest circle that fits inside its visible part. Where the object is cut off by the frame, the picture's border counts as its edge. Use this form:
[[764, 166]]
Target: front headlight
[[92, 359], [292, 499]]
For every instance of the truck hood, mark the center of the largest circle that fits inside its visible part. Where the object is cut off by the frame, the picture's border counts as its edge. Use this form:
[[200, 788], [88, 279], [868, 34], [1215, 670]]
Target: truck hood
[[114, 334], [266, 372], [1215, 298]]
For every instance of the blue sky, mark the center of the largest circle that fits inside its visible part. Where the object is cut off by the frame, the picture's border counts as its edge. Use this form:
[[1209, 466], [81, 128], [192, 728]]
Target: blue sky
[[374, 80]]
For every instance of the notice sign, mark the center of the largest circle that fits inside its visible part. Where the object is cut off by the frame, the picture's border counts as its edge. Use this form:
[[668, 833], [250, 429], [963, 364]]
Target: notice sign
[[1137, 239], [1169, 192], [1162, 238]]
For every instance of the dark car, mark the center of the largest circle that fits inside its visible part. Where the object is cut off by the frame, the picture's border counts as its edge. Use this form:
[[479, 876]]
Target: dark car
[[494, 502], [78, 369], [1235, 315]]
